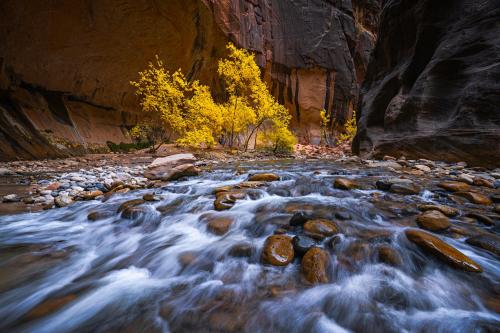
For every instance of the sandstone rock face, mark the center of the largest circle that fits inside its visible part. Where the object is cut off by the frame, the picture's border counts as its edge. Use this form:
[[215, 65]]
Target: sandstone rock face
[[315, 53], [431, 86], [65, 67]]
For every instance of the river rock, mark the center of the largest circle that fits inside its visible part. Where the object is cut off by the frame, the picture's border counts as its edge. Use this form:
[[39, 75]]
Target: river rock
[[481, 218], [243, 249], [454, 186], [442, 250], [466, 178], [11, 198], [386, 164], [151, 197], [49, 306], [133, 212], [488, 242], [483, 182], [63, 201], [314, 265], [320, 228], [98, 215], [388, 255], [129, 203], [165, 174], [433, 220], [345, 184], [172, 160], [495, 198], [474, 197], [422, 167], [226, 200], [299, 219], [301, 244], [446, 210], [264, 177], [219, 225], [405, 189], [6, 172], [496, 209], [278, 250]]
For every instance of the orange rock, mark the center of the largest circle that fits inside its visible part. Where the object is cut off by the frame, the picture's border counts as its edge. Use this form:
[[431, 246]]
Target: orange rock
[[278, 250], [314, 265], [454, 186], [320, 228], [442, 250], [476, 198]]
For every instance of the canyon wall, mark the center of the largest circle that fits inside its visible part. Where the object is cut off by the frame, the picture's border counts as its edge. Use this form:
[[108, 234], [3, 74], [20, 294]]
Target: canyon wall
[[65, 66], [432, 88]]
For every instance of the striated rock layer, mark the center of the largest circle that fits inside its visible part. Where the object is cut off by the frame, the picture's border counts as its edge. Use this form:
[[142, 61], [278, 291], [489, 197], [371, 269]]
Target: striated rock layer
[[432, 86], [65, 66]]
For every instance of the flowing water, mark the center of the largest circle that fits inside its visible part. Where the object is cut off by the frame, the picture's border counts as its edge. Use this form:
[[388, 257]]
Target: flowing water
[[164, 272]]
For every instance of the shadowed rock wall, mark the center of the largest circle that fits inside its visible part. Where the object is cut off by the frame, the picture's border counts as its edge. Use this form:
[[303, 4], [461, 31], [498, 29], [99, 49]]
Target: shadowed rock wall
[[432, 88]]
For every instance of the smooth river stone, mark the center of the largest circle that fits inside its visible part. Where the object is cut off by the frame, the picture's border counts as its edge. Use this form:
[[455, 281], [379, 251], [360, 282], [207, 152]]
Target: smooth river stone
[[314, 265], [278, 250], [433, 220], [442, 250], [264, 177]]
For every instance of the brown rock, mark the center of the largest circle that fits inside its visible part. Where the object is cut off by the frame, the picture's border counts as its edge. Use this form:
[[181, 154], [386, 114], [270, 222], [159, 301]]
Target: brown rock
[[53, 186], [151, 197], [483, 182], [433, 220], [388, 255], [481, 218], [488, 242], [264, 177], [405, 189], [345, 184], [442, 250], [314, 265], [49, 306], [454, 186], [278, 250], [219, 225], [446, 210], [320, 228], [130, 203], [98, 215], [496, 209], [476, 198]]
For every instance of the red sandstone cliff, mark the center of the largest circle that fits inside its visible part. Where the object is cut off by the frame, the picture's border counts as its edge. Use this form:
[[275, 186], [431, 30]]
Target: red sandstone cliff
[[65, 66]]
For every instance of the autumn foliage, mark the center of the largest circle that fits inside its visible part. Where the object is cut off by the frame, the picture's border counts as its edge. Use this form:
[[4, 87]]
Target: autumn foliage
[[188, 109]]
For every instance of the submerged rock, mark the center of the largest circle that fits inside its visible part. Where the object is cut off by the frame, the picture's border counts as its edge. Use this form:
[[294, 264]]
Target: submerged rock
[[219, 225], [264, 177], [314, 265], [320, 228], [388, 255], [345, 184], [405, 189], [129, 203], [488, 242], [299, 219], [442, 250], [278, 250], [433, 220]]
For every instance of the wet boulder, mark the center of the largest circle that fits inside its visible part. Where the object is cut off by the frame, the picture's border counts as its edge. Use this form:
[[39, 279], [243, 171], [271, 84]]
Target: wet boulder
[[442, 250], [345, 184], [390, 256], [278, 250], [314, 266], [243, 249], [129, 203], [301, 244], [433, 220], [226, 199], [405, 188], [151, 197], [299, 219], [320, 228], [162, 168], [481, 218], [477, 198], [488, 242], [219, 225], [454, 186], [446, 210], [98, 215], [264, 177]]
